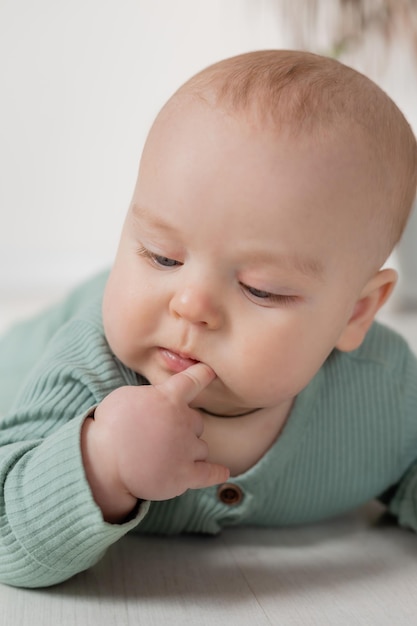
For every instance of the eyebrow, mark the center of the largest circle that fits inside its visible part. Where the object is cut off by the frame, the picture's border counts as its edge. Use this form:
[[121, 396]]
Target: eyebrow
[[142, 213], [309, 267], [304, 265]]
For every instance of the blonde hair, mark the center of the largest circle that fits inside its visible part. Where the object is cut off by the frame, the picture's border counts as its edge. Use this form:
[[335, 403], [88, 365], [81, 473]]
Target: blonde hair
[[301, 92]]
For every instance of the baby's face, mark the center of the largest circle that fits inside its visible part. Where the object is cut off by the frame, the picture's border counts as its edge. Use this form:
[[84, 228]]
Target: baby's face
[[236, 251]]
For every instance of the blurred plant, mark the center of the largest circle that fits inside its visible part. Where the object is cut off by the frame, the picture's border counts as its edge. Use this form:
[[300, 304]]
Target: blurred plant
[[348, 22]]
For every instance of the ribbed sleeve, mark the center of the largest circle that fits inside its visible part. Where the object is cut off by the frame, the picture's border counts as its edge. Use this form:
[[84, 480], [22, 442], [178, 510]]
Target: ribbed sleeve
[[404, 501], [50, 527]]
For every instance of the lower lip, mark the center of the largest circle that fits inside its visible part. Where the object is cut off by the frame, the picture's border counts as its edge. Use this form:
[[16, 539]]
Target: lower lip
[[175, 362]]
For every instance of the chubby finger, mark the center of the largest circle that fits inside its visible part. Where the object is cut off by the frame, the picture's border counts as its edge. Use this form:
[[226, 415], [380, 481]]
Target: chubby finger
[[208, 474], [186, 385]]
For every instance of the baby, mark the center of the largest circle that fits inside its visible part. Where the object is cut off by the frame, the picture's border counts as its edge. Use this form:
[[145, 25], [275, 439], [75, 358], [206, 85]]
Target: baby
[[233, 342]]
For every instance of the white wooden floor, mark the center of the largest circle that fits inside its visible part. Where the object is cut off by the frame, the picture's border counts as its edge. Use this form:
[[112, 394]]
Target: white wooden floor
[[359, 569]]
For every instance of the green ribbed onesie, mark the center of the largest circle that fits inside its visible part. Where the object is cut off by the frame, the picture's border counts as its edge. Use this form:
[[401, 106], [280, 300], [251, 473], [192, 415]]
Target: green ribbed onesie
[[351, 437]]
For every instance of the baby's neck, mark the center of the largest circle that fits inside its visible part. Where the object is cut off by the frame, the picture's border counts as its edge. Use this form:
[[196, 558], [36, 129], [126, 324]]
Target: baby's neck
[[249, 412], [240, 442]]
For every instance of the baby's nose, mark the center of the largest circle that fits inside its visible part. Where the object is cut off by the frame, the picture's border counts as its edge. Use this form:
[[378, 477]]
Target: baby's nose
[[197, 306]]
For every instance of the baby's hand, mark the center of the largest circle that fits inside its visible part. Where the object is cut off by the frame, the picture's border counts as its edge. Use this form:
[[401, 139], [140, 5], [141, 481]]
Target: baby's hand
[[144, 442]]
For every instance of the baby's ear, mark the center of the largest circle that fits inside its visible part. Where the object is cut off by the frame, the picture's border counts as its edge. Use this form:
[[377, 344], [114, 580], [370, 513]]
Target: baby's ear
[[373, 296]]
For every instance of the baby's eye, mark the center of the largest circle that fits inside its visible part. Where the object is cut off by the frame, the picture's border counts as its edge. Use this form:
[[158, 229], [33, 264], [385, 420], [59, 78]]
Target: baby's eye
[[164, 261], [157, 259], [266, 297], [258, 293]]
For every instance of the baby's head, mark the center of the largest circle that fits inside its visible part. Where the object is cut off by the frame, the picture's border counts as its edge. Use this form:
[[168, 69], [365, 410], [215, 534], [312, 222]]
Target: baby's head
[[312, 100], [272, 188]]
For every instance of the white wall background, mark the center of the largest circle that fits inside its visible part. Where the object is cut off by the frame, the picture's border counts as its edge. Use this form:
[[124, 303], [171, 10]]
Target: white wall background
[[80, 83]]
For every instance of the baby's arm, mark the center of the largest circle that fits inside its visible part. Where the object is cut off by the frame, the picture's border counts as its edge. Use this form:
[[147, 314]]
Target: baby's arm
[[401, 498], [144, 443], [50, 526]]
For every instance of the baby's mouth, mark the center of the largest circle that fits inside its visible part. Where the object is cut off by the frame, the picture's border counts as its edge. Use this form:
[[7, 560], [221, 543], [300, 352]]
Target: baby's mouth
[[176, 361]]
